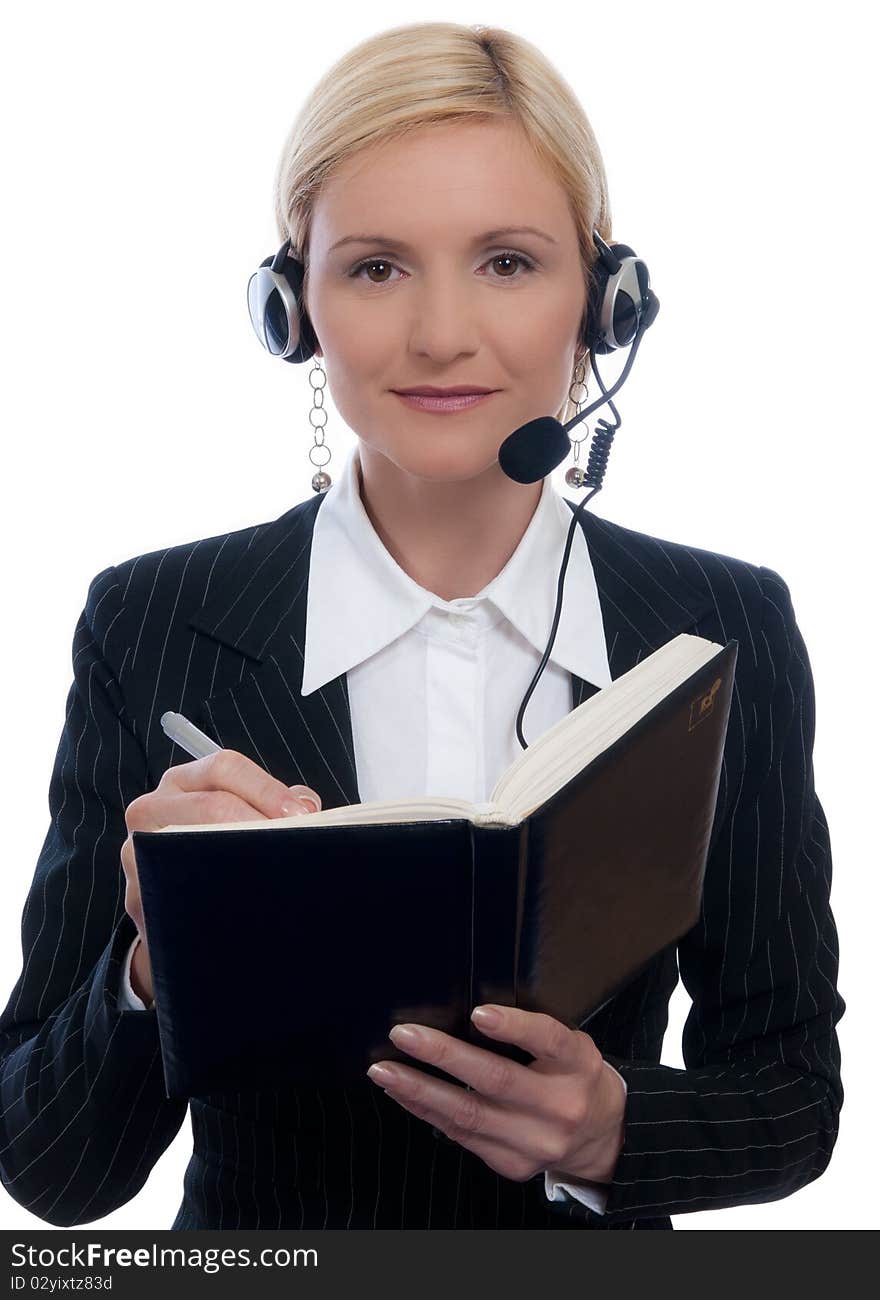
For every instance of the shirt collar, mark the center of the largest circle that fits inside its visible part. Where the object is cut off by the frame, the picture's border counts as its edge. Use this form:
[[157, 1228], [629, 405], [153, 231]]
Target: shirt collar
[[360, 600]]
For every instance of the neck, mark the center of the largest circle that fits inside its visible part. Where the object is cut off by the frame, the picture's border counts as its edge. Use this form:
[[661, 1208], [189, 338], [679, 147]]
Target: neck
[[451, 538]]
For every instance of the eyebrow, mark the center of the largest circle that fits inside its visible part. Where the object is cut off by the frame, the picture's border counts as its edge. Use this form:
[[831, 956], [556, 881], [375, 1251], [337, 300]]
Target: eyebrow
[[479, 239]]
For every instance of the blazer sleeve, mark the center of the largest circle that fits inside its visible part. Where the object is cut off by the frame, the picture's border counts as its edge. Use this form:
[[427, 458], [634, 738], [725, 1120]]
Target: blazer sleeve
[[83, 1111], [753, 1116]]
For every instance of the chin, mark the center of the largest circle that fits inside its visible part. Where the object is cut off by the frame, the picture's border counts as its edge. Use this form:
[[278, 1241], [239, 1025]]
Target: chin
[[446, 464]]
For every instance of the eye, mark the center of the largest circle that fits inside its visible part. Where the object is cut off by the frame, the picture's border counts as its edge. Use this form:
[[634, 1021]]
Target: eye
[[506, 257], [369, 262], [525, 262]]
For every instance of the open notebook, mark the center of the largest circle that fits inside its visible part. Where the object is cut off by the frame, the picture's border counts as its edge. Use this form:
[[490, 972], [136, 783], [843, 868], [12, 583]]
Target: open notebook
[[549, 762], [285, 949]]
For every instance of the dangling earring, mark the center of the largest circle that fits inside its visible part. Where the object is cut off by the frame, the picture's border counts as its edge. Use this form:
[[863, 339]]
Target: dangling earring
[[577, 394], [319, 453]]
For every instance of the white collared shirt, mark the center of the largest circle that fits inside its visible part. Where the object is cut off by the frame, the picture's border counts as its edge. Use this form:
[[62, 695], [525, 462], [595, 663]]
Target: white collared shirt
[[435, 685]]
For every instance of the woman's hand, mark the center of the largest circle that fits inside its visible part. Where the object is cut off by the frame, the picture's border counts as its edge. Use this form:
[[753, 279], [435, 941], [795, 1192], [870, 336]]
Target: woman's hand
[[225, 786], [563, 1111]]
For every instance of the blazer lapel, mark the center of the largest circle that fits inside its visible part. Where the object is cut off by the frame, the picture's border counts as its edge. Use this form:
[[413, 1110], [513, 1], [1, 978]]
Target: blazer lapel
[[645, 602], [260, 612]]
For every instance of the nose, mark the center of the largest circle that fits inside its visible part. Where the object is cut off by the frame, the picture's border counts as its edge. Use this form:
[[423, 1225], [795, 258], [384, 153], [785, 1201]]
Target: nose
[[445, 317]]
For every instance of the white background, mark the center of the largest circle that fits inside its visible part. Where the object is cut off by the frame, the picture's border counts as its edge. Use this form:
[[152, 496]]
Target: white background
[[140, 412]]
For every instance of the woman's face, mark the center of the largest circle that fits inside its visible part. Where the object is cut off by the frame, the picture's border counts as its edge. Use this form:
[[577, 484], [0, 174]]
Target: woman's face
[[421, 296]]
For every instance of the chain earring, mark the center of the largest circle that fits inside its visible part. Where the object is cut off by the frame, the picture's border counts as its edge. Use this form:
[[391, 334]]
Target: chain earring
[[319, 452], [577, 394]]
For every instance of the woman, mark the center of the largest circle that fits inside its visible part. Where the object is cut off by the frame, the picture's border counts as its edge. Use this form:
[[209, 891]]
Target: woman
[[375, 642]]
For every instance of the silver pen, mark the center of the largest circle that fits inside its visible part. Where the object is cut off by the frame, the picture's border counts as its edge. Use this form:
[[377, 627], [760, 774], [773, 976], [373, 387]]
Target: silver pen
[[187, 735]]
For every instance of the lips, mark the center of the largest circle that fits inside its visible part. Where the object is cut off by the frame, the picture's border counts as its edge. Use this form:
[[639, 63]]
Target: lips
[[444, 403], [427, 390]]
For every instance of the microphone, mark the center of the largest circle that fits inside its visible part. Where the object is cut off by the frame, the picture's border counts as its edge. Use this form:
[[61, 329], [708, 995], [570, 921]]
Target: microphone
[[534, 450]]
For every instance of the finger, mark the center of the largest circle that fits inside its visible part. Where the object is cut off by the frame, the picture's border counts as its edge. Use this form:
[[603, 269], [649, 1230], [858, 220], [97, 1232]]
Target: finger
[[133, 905], [189, 808], [548, 1039], [492, 1076], [467, 1118], [500, 1156], [227, 769]]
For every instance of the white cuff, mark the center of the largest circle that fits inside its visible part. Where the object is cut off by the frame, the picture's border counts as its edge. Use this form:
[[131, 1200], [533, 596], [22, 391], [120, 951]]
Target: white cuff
[[593, 1195], [127, 999]]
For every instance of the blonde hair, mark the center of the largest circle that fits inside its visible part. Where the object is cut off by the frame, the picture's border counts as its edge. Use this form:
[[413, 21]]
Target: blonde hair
[[423, 73]]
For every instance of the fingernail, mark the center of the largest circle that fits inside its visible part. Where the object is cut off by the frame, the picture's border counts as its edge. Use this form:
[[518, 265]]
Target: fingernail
[[487, 1016], [381, 1074], [296, 807], [306, 802], [405, 1035]]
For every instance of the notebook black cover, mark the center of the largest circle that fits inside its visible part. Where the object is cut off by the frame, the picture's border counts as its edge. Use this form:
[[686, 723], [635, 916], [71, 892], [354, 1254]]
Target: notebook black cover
[[285, 955]]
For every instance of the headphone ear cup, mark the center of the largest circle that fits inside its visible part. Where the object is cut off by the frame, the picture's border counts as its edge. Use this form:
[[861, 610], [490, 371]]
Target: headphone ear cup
[[294, 273], [622, 312], [280, 321]]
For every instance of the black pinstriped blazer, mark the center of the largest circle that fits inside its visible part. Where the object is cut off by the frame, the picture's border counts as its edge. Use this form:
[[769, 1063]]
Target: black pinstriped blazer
[[215, 629]]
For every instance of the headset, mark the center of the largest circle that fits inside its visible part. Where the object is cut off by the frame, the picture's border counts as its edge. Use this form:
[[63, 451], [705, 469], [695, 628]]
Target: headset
[[621, 306]]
